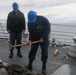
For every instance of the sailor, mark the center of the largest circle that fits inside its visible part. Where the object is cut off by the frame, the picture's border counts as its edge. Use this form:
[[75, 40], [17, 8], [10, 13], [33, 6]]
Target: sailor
[[15, 27], [39, 29]]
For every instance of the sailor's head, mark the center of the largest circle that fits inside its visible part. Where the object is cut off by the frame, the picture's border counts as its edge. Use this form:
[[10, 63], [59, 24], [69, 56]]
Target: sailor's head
[[15, 6], [32, 15]]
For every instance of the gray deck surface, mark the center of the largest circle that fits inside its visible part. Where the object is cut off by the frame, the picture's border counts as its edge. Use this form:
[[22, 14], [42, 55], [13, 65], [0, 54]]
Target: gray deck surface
[[66, 70], [53, 63]]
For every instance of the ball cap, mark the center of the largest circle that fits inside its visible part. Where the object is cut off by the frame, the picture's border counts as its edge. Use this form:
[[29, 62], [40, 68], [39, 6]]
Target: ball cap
[[32, 16], [15, 5]]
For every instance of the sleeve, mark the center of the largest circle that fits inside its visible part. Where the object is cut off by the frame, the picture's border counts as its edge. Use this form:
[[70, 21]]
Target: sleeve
[[46, 28], [30, 36], [30, 33], [8, 22], [23, 23]]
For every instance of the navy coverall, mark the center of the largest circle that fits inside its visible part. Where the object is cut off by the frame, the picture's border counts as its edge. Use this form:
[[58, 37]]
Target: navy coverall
[[15, 23], [39, 29]]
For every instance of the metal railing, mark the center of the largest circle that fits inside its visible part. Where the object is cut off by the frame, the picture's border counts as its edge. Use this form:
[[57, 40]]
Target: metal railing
[[62, 33], [3, 31]]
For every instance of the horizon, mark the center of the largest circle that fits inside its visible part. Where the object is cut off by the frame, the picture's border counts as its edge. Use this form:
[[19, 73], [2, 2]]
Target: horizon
[[57, 11]]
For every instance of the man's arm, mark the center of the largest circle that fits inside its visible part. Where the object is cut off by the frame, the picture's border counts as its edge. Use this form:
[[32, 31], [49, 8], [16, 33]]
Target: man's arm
[[8, 23], [23, 23], [46, 29]]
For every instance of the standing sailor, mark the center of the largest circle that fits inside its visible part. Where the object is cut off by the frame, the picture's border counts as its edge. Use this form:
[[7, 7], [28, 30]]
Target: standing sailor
[[15, 27]]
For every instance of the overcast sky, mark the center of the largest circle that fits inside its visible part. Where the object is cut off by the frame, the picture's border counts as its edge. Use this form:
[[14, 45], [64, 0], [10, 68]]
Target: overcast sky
[[57, 11]]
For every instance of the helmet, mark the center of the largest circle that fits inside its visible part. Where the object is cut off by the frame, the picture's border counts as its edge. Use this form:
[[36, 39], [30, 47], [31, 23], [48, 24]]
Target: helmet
[[32, 16], [15, 5]]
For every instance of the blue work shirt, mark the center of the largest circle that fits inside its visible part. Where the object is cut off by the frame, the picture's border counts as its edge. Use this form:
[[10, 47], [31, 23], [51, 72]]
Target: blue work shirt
[[39, 29]]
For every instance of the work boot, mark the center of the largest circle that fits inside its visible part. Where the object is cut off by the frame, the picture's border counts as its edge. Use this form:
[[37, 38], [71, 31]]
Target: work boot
[[19, 53], [11, 54], [44, 68], [29, 67]]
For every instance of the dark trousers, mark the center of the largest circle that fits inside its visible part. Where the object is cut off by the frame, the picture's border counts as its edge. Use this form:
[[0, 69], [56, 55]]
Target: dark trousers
[[44, 51], [15, 38]]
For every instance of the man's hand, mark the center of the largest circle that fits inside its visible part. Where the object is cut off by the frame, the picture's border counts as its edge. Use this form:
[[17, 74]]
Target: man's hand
[[41, 40], [28, 42], [23, 31], [8, 31]]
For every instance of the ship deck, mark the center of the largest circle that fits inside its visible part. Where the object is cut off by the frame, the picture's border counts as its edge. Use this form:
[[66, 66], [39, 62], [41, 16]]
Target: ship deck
[[55, 66]]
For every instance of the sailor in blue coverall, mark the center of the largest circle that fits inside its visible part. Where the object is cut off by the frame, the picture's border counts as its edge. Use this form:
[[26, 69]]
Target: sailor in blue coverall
[[15, 27], [39, 29]]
